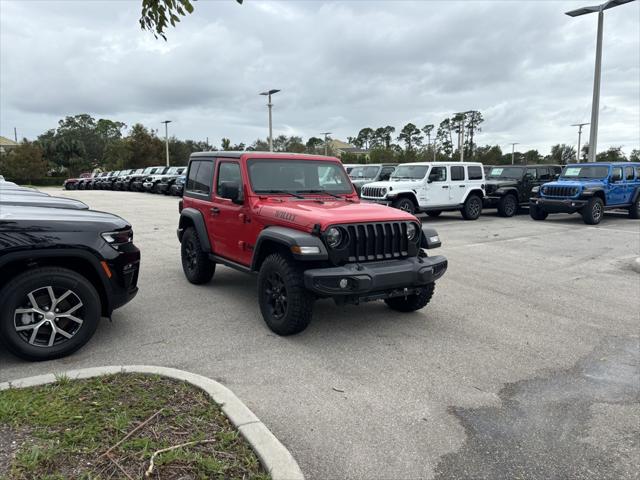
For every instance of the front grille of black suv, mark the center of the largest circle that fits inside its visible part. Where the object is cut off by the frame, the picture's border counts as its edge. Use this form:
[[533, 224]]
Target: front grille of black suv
[[377, 241], [373, 192], [559, 191]]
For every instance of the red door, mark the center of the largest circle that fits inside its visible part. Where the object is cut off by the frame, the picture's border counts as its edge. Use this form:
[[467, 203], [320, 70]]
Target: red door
[[231, 229]]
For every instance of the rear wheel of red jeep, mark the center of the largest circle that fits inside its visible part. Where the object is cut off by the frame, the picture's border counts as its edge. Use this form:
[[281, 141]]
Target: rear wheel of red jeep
[[285, 304], [414, 302]]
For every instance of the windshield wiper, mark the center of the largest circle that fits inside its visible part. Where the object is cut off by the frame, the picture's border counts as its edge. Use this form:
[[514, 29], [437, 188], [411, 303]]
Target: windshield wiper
[[286, 192], [319, 190]]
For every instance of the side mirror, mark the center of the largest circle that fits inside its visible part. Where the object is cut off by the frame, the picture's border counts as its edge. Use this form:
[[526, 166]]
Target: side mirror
[[230, 191], [556, 176]]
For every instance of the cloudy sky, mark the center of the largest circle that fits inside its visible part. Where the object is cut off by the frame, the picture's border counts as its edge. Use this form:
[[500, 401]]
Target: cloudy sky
[[341, 66]]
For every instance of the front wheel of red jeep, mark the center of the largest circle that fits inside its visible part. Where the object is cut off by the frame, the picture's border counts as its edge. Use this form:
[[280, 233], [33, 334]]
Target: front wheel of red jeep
[[414, 302], [285, 304]]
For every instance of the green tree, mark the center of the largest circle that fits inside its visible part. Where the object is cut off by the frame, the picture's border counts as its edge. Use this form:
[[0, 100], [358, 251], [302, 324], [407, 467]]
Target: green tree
[[411, 136], [363, 140], [382, 155], [25, 163], [146, 148], [635, 155], [614, 154], [314, 145], [562, 154], [444, 139], [117, 155], [473, 119], [225, 143], [489, 155], [531, 157]]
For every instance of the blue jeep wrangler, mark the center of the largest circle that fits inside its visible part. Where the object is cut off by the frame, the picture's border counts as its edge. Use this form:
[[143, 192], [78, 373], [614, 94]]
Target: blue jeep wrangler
[[589, 188]]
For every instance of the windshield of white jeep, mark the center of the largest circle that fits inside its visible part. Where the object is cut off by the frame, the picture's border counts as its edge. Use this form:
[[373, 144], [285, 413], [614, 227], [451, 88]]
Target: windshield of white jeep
[[175, 171], [410, 172], [297, 176], [506, 172], [364, 173], [584, 172]]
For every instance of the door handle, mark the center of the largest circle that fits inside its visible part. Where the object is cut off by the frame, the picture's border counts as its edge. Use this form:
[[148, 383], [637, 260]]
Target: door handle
[[462, 186], [214, 210], [445, 186]]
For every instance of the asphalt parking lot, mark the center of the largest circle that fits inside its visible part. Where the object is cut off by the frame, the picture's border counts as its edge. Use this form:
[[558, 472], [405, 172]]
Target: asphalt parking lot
[[526, 363]]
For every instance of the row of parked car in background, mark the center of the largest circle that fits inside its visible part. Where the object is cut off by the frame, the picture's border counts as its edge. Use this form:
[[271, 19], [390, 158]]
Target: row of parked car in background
[[167, 180], [436, 187]]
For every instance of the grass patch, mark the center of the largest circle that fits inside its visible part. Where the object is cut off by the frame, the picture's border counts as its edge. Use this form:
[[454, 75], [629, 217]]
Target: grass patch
[[62, 431]]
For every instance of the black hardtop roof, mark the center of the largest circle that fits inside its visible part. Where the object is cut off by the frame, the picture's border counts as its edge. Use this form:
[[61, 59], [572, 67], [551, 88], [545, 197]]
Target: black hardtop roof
[[251, 153]]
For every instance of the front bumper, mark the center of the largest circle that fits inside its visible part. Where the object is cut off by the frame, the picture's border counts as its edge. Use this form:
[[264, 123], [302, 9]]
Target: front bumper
[[376, 279], [147, 185], [123, 282], [379, 201], [162, 187], [561, 205], [177, 189]]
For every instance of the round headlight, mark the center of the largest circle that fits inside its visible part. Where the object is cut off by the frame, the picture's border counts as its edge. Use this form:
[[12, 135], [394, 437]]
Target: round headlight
[[412, 231], [334, 237]]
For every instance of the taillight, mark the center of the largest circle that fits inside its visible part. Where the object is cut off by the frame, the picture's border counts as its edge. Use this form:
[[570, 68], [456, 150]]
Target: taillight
[[180, 206]]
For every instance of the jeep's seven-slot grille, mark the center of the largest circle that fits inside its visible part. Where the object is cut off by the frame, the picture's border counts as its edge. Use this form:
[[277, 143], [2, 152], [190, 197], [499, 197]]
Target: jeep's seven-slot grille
[[559, 191], [377, 241], [374, 192]]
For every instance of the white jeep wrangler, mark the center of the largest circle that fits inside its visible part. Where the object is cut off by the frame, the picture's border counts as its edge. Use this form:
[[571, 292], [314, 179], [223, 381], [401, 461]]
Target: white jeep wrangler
[[432, 187]]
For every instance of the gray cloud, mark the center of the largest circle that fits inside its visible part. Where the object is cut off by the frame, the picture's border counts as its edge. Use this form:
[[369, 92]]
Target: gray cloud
[[341, 66]]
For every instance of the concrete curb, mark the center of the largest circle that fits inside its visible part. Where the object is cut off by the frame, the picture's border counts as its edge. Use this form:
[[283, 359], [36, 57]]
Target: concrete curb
[[635, 265], [273, 455]]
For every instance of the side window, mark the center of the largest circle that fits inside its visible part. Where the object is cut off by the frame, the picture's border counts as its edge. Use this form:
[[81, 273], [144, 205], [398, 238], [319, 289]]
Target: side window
[[228, 173], [638, 173], [386, 173], [457, 173], [191, 179], [474, 172], [531, 173], [628, 173], [616, 174], [543, 174], [200, 177], [438, 174]]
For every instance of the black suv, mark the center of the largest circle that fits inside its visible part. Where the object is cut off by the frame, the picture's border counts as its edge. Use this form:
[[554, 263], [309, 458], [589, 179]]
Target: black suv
[[62, 269], [509, 187]]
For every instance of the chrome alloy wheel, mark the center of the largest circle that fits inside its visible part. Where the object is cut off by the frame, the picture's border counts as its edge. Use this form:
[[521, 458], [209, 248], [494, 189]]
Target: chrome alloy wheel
[[49, 316]]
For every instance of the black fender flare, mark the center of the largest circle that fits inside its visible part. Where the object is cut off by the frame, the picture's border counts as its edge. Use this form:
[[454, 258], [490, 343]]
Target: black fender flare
[[428, 238], [506, 191], [192, 216], [288, 238]]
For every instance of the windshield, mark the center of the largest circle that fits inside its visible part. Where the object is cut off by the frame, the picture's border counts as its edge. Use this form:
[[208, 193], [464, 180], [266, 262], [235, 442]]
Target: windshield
[[175, 170], [413, 172], [297, 176], [364, 173], [148, 170], [506, 172], [593, 172]]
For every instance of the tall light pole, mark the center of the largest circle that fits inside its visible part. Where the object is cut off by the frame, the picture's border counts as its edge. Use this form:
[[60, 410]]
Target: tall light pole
[[326, 142], [595, 103], [579, 125], [166, 137], [268, 93], [513, 152]]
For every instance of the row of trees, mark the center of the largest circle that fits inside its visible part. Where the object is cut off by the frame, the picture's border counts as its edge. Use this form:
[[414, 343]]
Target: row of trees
[[82, 143]]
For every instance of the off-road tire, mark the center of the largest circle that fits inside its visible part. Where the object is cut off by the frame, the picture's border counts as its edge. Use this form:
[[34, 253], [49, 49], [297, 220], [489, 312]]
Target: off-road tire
[[405, 204], [299, 301], [472, 207], [634, 209], [414, 302], [434, 213], [593, 211], [14, 295], [537, 213], [197, 266], [508, 206]]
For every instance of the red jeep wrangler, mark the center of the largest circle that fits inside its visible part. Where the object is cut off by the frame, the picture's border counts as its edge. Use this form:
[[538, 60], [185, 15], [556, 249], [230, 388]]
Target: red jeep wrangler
[[297, 222]]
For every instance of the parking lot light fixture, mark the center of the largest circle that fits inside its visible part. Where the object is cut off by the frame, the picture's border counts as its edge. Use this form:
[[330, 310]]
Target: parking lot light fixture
[[268, 94], [166, 137], [595, 104], [579, 125], [326, 142], [513, 151]]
